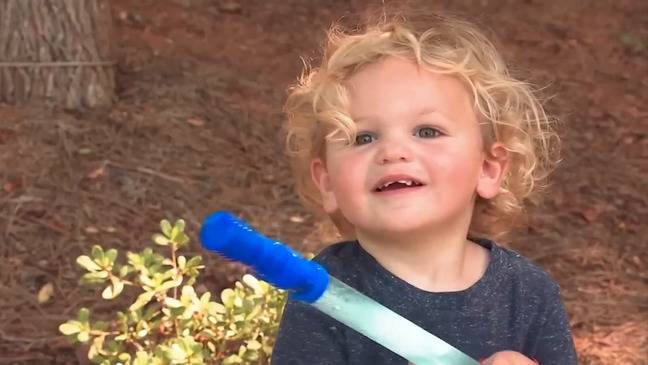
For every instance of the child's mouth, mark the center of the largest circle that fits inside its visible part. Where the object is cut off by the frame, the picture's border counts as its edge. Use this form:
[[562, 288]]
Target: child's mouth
[[398, 185]]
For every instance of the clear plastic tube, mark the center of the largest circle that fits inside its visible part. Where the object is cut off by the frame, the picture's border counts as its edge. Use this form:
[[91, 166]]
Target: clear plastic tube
[[308, 281], [386, 327]]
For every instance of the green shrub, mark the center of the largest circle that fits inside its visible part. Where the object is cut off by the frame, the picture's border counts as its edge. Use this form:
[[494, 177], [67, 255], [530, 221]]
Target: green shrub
[[168, 322]]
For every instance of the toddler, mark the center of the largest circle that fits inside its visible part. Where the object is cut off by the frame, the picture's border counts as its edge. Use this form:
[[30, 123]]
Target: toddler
[[421, 147]]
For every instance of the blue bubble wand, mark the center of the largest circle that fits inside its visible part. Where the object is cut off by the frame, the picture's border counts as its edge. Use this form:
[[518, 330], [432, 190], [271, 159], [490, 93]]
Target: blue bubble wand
[[309, 282]]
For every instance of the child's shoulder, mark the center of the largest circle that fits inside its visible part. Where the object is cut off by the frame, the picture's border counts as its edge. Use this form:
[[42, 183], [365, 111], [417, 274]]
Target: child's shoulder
[[520, 272], [338, 255]]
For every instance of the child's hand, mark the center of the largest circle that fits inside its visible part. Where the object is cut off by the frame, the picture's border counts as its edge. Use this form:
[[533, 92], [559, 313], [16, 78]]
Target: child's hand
[[508, 358]]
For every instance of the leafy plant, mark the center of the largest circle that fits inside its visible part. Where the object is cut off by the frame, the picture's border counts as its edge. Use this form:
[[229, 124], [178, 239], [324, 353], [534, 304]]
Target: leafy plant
[[168, 322]]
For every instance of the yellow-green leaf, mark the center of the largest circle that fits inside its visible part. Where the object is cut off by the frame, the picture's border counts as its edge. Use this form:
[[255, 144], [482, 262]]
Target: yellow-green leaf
[[166, 227], [111, 255], [253, 283], [182, 262], [45, 293], [253, 345], [227, 296], [142, 300], [180, 225], [160, 239], [70, 328], [112, 291], [172, 303], [177, 354], [87, 263], [141, 358], [216, 308], [232, 359], [97, 252], [83, 336]]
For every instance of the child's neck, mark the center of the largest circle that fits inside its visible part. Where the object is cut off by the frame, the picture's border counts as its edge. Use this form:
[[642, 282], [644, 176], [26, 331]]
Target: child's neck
[[439, 262]]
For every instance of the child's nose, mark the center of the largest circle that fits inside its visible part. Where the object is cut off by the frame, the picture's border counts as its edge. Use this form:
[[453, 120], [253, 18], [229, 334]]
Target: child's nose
[[394, 152]]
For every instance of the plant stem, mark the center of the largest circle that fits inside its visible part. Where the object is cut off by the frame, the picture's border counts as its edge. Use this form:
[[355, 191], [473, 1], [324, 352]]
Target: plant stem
[[175, 288], [175, 268]]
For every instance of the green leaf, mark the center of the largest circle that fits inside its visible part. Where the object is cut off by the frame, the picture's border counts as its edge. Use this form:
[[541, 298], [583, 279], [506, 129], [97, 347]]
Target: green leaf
[[177, 354], [253, 283], [83, 336], [172, 302], [142, 358], [174, 234], [84, 315], [180, 225], [124, 270], [94, 277], [70, 327], [216, 308], [232, 359], [182, 239], [124, 357], [160, 240], [97, 253], [142, 300], [227, 297], [194, 262], [166, 227], [112, 291], [87, 263], [182, 262], [107, 293], [171, 283], [253, 345], [96, 347], [111, 256]]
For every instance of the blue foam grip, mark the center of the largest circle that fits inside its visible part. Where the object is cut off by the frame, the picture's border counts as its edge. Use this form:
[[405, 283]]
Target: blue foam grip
[[273, 261]]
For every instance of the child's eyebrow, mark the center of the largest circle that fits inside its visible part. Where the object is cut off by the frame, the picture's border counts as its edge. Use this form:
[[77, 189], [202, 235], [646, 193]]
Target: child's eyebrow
[[365, 118], [377, 118]]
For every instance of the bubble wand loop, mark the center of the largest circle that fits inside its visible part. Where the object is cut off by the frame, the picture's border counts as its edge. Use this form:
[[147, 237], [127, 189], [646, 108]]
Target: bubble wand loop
[[308, 281]]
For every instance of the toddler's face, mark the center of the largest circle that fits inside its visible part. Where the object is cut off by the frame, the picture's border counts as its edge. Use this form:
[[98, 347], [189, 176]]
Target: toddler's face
[[418, 160]]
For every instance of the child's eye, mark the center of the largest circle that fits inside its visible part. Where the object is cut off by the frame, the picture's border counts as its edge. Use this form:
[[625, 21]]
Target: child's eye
[[364, 138], [427, 132]]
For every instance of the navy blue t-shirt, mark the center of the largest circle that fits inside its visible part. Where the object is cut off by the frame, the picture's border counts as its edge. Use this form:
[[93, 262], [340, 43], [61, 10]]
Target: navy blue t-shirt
[[514, 306]]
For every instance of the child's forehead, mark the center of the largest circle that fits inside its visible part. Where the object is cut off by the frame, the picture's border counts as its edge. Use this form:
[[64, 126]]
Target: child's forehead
[[395, 88]]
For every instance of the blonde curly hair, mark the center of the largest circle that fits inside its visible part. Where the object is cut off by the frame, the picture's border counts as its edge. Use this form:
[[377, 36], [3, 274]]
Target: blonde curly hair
[[507, 109]]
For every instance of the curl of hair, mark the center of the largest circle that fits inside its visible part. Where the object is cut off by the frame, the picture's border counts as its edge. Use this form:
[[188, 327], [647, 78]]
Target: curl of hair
[[508, 109]]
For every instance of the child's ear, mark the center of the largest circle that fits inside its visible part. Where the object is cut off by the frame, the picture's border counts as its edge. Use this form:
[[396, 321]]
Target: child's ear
[[322, 180], [494, 168]]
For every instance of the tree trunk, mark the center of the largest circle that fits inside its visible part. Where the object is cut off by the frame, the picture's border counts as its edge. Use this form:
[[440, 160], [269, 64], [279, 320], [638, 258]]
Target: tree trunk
[[56, 51]]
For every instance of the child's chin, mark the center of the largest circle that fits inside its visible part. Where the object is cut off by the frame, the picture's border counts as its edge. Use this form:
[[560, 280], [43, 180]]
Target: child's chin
[[400, 228]]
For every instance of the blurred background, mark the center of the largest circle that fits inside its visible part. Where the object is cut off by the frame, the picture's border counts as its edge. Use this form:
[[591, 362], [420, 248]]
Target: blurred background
[[194, 127]]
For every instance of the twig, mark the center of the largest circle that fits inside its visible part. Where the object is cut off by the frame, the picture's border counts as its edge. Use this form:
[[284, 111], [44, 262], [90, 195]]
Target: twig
[[145, 170], [21, 359], [11, 338], [58, 64]]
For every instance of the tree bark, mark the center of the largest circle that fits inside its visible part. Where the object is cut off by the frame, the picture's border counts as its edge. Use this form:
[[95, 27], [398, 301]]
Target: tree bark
[[59, 52]]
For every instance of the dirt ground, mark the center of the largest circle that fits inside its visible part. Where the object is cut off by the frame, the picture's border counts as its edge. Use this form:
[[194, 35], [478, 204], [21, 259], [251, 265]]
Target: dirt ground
[[196, 129]]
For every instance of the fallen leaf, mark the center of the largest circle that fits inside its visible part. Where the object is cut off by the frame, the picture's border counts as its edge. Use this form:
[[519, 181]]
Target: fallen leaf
[[14, 184], [45, 293], [296, 219], [230, 6], [592, 213], [6, 135], [196, 122], [98, 172]]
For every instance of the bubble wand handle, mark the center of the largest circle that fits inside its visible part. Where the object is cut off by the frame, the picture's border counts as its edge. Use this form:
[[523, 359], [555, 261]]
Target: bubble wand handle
[[308, 281]]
